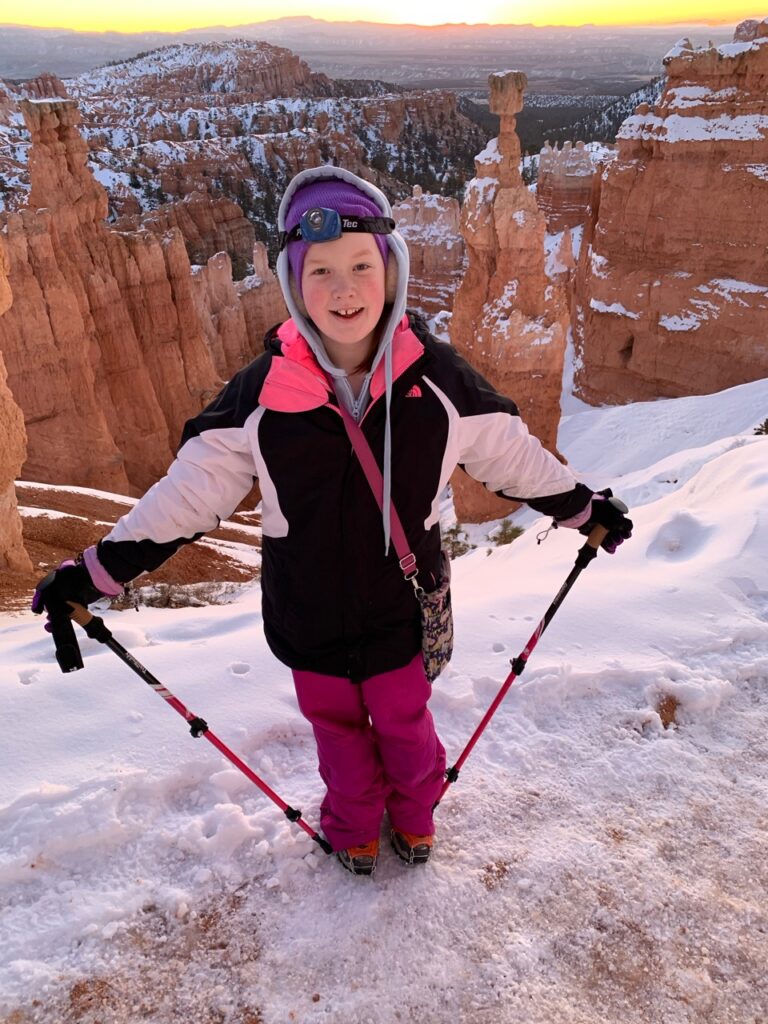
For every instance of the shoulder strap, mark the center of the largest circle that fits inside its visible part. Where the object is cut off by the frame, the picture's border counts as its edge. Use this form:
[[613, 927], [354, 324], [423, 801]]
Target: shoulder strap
[[373, 476]]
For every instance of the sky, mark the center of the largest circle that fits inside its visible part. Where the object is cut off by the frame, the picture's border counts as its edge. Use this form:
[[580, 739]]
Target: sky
[[176, 15]]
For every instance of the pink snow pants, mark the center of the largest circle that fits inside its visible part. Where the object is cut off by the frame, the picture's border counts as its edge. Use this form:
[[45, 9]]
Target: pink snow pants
[[377, 749]]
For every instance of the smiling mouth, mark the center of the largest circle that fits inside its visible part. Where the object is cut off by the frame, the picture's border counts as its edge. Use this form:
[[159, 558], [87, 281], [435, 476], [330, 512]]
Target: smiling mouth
[[347, 314]]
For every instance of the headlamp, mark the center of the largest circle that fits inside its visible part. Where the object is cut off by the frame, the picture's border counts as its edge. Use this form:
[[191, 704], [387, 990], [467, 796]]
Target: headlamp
[[323, 225]]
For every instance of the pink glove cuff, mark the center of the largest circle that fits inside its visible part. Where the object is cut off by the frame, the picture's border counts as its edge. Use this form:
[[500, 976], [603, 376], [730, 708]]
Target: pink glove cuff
[[101, 578], [579, 519]]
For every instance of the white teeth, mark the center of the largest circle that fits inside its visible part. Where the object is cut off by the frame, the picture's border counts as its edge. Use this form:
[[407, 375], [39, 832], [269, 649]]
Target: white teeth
[[347, 312]]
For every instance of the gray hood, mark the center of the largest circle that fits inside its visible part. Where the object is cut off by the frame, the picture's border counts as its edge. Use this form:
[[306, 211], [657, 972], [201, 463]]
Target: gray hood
[[396, 244], [399, 251]]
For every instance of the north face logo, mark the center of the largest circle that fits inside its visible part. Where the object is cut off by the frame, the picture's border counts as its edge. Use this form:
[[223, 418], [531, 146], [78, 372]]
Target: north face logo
[[415, 392]]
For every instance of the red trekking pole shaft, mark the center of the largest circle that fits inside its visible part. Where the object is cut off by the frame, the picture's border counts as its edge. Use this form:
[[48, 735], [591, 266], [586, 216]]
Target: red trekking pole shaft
[[96, 630], [583, 558]]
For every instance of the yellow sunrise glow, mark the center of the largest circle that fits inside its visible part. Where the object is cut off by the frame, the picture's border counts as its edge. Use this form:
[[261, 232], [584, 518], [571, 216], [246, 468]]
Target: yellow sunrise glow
[[176, 15]]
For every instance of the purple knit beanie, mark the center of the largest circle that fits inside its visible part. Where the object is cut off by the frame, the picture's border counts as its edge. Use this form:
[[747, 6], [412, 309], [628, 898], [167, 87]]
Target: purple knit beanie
[[333, 194]]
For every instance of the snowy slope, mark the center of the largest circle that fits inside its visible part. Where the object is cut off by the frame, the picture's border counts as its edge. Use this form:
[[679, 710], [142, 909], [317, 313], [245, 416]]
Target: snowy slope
[[591, 865]]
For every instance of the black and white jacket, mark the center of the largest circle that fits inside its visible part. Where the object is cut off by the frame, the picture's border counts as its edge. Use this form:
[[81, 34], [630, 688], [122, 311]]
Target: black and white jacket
[[332, 601]]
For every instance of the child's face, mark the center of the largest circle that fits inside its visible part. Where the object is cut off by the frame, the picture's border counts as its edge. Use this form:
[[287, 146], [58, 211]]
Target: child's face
[[343, 288]]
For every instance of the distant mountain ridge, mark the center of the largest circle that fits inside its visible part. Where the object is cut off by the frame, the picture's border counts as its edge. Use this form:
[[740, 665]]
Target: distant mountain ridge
[[338, 48]]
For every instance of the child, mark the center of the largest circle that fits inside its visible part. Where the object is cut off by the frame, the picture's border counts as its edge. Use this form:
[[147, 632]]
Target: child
[[336, 607]]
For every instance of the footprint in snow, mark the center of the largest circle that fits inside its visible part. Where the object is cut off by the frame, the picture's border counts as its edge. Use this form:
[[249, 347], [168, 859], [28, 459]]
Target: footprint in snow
[[132, 638], [239, 668], [28, 675], [679, 539]]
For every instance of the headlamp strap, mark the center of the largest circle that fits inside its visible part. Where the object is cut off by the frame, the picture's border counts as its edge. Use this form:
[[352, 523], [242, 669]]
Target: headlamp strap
[[349, 222]]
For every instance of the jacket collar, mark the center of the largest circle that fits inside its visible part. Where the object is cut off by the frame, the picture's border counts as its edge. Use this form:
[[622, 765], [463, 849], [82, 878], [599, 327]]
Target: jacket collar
[[295, 381]]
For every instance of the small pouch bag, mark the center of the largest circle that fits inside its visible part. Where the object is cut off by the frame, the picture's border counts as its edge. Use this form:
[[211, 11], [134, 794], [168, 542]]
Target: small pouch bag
[[435, 605], [437, 621]]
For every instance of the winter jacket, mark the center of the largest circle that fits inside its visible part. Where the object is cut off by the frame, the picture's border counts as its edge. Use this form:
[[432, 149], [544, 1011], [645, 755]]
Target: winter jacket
[[333, 602]]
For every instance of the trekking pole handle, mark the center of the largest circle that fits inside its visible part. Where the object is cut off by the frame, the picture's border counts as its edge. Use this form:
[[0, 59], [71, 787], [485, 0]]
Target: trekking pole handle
[[597, 536], [79, 614], [94, 627]]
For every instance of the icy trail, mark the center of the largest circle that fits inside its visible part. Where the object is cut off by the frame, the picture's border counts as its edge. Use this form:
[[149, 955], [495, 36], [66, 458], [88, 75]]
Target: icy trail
[[591, 866]]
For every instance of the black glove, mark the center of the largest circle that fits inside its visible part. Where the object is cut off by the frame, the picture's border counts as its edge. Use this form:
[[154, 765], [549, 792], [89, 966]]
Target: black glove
[[609, 512], [70, 582]]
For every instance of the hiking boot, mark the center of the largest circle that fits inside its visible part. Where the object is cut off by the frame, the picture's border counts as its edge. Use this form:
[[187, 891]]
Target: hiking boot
[[412, 848], [360, 860]]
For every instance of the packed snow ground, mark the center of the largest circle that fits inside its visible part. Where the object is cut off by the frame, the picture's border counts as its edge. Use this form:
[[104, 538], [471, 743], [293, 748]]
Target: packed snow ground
[[591, 864]]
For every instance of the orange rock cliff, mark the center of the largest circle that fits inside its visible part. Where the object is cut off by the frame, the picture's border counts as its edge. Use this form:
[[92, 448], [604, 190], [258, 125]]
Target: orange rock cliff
[[671, 294], [13, 450], [564, 185], [431, 225]]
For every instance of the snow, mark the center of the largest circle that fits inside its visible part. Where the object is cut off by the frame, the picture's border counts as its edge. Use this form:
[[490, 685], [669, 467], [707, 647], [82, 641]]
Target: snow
[[36, 100], [680, 323], [109, 179], [598, 265], [601, 152], [90, 492], [577, 235], [735, 49], [727, 285], [569, 403], [552, 249], [678, 128], [478, 195], [591, 865], [439, 325], [759, 170], [496, 314], [46, 513], [683, 48], [613, 307], [490, 155], [437, 233], [683, 97]]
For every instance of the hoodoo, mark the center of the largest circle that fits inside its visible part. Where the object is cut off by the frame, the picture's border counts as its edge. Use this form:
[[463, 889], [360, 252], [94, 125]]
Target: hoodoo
[[508, 319]]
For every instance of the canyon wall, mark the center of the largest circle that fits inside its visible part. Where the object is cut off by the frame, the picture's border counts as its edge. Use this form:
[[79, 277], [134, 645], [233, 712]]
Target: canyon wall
[[431, 225], [564, 184], [13, 451], [103, 346], [235, 315], [671, 294], [208, 226], [261, 300]]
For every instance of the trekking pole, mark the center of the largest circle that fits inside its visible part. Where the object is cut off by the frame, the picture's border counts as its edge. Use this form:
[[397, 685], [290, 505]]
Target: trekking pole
[[585, 555], [97, 630]]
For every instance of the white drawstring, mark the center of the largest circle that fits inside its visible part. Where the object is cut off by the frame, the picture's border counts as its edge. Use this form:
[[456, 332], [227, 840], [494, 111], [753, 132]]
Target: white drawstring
[[387, 474]]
